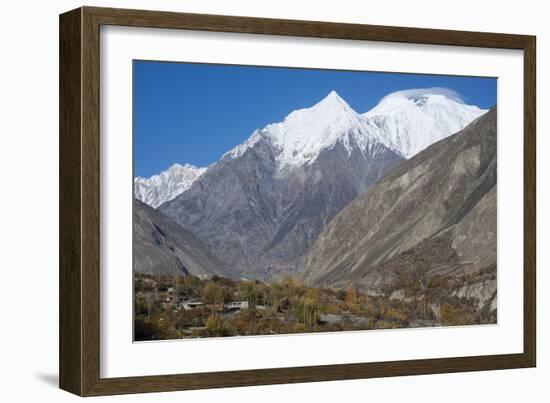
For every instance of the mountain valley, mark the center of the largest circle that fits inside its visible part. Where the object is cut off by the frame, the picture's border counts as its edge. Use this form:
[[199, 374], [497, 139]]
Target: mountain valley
[[329, 220]]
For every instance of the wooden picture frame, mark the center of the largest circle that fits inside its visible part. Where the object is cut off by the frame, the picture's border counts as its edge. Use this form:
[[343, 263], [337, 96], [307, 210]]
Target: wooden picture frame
[[79, 281]]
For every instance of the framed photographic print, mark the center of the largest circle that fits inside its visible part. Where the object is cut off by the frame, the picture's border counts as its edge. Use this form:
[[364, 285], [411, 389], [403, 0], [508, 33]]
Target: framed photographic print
[[249, 201]]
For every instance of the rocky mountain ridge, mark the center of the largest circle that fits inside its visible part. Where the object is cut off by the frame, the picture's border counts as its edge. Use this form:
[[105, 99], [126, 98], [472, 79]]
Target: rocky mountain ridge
[[161, 246], [435, 213]]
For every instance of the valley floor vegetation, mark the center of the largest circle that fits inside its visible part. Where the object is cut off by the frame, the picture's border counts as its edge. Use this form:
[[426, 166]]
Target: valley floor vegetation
[[175, 307]]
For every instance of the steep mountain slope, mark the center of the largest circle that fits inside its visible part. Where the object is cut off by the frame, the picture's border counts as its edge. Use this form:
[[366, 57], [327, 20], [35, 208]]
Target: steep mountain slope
[[435, 212], [163, 247], [409, 121], [168, 184], [264, 203]]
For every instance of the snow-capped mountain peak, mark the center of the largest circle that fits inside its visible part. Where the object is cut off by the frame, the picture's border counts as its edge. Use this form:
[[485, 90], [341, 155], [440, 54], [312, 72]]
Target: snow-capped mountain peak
[[328, 115], [304, 133], [332, 102], [411, 120], [405, 122], [166, 185]]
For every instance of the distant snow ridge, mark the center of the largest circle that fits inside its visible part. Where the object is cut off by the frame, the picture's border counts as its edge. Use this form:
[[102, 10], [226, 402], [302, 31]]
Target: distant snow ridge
[[411, 120], [405, 121], [167, 185]]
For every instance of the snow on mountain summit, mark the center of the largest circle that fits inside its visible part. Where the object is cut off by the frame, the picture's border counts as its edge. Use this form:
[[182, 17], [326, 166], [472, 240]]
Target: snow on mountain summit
[[241, 148], [411, 120], [404, 121], [304, 133], [166, 185]]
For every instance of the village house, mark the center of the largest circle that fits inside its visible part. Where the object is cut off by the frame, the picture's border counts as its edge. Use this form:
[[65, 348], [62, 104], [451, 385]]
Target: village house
[[188, 305], [236, 305]]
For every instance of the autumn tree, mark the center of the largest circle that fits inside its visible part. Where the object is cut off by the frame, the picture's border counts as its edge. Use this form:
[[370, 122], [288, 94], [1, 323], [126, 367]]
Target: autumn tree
[[215, 326], [213, 294], [350, 299], [447, 314], [248, 292], [309, 309]]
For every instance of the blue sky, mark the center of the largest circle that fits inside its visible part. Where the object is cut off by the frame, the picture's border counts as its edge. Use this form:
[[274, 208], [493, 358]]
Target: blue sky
[[193, 113]]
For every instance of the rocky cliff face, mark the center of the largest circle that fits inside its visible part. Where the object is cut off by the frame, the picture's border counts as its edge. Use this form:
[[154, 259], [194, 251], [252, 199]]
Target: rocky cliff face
[[261, 224], [163, 247], [435, 212]]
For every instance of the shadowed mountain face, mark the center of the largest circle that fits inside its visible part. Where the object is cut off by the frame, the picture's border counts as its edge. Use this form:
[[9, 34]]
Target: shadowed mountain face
[[163, 247], [435, 212], [261, 221]]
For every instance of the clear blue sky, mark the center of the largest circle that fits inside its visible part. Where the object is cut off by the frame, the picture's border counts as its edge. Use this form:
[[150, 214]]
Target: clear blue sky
[[193, 113]]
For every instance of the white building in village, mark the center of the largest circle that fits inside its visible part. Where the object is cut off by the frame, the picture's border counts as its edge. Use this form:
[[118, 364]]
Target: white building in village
[[237, 305]]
